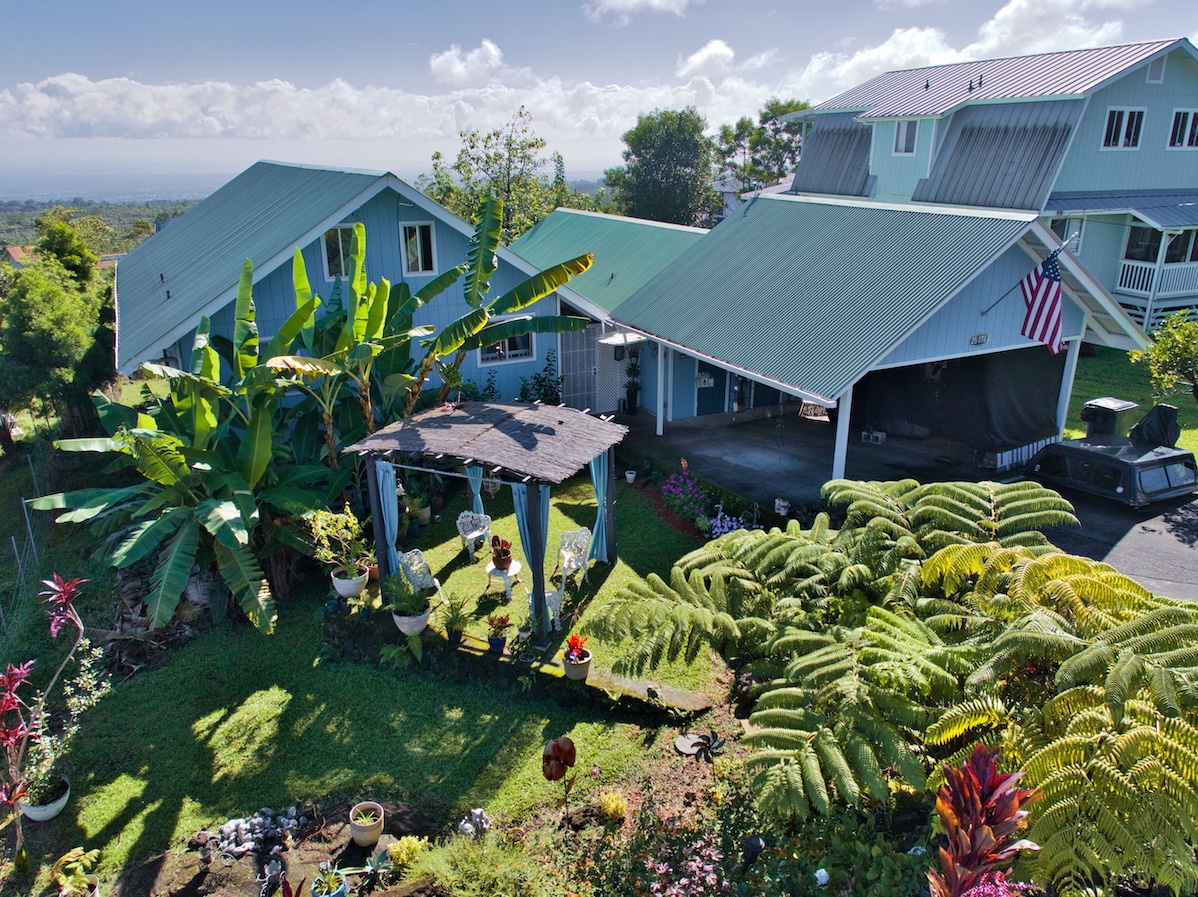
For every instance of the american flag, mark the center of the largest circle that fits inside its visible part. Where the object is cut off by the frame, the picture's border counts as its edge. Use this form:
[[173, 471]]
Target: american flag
[[1042, 297]]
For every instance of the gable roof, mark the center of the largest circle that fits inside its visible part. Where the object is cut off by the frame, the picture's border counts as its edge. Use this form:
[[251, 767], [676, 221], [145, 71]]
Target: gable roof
[[263, 214], [628, 252], [19, 256], [809, 293], [936, 90]]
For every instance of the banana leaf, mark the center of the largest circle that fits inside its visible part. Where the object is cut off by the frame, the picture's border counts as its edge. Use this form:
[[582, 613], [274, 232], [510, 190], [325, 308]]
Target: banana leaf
[[147, 536], [245, 330], [503, 330], [172, 573], [540, 285], [480, 257]]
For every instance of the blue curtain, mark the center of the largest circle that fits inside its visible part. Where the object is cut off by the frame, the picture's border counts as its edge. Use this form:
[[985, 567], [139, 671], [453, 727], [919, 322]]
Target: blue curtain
[[534, 554], [474, 476], [599, 472], [384, 474]]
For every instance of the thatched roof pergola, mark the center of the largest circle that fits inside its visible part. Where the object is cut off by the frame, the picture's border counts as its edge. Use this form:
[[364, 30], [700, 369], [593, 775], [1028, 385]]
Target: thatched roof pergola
[[523, 445]]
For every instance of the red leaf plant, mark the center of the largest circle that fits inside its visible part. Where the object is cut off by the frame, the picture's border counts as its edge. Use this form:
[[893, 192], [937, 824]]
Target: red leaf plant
[[21, 722], [574, 647], [980, 812]]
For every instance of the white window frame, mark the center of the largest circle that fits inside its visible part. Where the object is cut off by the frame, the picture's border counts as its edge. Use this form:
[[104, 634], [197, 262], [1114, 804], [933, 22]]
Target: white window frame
[[1148, 79], [903, 127], [432, 253], [329, 276], [1074, 230], [1126, 112], [1190, 129], [484, 362]]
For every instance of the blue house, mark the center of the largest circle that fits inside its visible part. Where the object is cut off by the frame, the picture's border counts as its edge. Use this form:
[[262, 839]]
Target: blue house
[[885, 285], [192, 268]]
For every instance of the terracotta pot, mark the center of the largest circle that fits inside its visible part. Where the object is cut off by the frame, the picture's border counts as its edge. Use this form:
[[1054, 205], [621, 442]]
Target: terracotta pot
[[503, 560], [366, 835], [577, 669], [372, 571]]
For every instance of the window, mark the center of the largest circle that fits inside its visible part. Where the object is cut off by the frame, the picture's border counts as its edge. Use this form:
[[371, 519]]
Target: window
[[418, 255], [904, 137], [1156, 71], [1178, 250], [514, 348], [1123, 128], [1184, 134], [1143, 244], [1068, 229], [338, 250]]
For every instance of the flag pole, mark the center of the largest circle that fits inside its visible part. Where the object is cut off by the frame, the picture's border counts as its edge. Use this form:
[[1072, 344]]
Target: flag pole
[[1056, 251]]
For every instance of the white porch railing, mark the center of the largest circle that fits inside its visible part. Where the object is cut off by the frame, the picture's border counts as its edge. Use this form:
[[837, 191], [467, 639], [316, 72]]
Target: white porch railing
[[1136, 278]]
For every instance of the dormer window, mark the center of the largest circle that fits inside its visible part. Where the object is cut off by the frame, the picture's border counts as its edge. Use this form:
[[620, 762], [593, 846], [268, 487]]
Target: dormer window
[[904, 137], [1123, 126]]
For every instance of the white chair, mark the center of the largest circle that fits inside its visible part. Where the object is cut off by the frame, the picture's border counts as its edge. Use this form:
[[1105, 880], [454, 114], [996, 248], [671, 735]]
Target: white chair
[[553, 603], [417, 570], [475, 530], [572, 554]]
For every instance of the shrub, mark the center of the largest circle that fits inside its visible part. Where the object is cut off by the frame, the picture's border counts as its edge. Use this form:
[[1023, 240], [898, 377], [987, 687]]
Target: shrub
[[405, 850], [481, 867], [613, 806], [684, 495]]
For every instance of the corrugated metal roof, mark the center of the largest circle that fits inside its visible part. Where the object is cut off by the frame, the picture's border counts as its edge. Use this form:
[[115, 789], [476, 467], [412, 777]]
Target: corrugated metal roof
[[1159, 208], [628, 251], [1002, 156], [809, 292], [835, 157], [938, 89], [258, 215]]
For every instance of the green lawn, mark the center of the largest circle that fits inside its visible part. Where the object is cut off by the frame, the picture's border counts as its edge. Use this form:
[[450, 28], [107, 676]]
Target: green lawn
[[235, 720]]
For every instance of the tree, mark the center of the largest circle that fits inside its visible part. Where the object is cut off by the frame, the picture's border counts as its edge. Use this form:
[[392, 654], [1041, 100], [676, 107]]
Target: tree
[[764, 152], [61, 241], [733, 143], [1173, 358], [669, 169]]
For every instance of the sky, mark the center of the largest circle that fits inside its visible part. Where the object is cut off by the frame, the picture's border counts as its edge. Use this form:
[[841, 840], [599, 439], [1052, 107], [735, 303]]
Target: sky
[[161, 88]]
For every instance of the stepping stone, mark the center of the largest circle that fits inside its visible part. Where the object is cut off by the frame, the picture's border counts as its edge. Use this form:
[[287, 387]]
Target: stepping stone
[[688, 743]]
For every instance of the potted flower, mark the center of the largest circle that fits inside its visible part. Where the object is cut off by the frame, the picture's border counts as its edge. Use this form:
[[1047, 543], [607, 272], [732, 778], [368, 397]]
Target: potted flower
[[453, 617], [501, 553], [366, 823], [338, 543], [418, 505], [577, 659], [70, 873], [330, 882], [409, 606], [497, 626]]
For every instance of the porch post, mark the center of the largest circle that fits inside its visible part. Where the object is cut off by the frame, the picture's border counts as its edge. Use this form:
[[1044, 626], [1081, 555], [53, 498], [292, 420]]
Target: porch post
[[536, 546], [661, 388], [844, 410], [1156, 280], [670, 387], [1072, 351]]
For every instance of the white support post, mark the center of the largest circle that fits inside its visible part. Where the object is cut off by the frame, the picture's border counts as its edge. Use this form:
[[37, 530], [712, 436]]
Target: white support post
[[1072, 351], [844, 410], [661, 388], [670, 386]]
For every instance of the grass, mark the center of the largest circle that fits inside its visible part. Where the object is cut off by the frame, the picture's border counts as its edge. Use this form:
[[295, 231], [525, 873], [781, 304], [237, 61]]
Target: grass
[[234, 720], [1110, 372]]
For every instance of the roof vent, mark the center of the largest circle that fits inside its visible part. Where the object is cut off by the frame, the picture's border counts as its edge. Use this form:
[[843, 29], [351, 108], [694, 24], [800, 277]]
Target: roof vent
[[1156, 71], [927, 85], [979, 82]]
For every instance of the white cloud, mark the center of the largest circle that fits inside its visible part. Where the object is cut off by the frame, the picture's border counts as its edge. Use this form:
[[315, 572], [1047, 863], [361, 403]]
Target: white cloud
[[467, 69], [713, 57], [761, 60], [1019, 27], [622, 11], [907, 4]]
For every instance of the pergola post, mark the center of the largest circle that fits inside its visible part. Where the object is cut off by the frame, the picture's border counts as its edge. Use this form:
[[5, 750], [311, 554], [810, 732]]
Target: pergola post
[[536, 540], [610, 506]]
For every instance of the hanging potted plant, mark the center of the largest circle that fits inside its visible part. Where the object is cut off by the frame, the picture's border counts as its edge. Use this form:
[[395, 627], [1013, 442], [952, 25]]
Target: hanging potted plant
[[366, 823], [409, 606], [497, 626], [338, 543], [577, 660], [501, 553], [70, 873]]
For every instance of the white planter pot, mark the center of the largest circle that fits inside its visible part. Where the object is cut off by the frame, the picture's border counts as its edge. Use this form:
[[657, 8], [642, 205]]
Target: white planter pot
[[366, 835], [348, 587], [424, 516], [44, 812], [781, 506], [411, 625], [577, 669], [630, 475]]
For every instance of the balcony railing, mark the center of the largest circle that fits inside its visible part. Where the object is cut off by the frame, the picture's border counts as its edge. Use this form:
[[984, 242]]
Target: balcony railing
[[1136, 279]]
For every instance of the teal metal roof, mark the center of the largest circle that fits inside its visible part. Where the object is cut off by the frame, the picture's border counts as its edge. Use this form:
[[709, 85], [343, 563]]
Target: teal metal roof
[[628, 251], [262, 213], [1159, 208], [810, 293]]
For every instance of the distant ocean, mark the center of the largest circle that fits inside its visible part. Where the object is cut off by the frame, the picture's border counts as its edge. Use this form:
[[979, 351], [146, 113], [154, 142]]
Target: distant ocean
[[123, 187]]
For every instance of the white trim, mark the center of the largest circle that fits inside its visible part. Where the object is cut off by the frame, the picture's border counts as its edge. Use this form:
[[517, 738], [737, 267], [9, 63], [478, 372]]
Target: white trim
[[322, 241], [905, 126], [840, 449], [1073, 350], [1123, 123], [1163, 60], [1191, 117], [403, 248]]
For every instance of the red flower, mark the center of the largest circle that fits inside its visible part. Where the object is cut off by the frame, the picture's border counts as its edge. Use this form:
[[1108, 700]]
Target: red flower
[[574, 646]]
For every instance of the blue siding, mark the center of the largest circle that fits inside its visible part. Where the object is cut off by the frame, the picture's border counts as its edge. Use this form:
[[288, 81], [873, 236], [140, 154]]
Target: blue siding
[[947, 332], [898, 175], [683, 398], [1103, 239], [1153, 166]]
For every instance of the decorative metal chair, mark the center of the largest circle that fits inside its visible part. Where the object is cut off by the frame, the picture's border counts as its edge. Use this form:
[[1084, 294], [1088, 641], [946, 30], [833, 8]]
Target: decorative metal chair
[[475, 530], [417, 571], [553, 603], [572, 554]]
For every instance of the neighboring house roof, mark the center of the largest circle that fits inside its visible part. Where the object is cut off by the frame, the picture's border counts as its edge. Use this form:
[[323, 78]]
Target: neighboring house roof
[[936, 90], [20, 256], [835, 157], [1003, 155], [1158, 208], [809, 293], [628, 252], [263, 214]]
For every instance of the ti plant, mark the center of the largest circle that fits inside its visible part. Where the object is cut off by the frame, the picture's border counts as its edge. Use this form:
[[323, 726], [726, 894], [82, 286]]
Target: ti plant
[[980, 812]]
